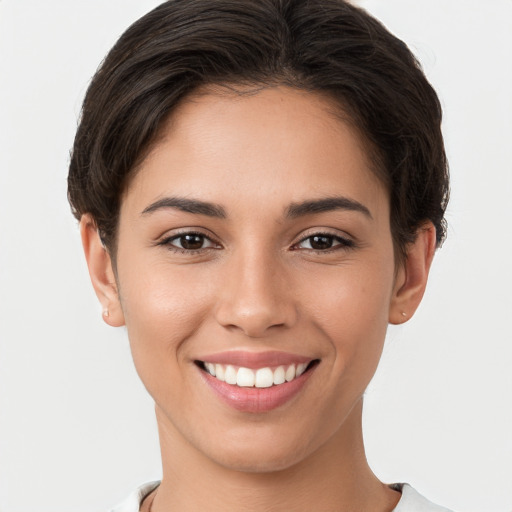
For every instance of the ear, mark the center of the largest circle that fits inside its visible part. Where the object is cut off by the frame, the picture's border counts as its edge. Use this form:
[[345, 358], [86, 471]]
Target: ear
[[101, 272], [411, 278]]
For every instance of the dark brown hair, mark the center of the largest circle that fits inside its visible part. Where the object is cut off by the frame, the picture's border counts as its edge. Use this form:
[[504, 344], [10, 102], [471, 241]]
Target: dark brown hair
[[325, 46]]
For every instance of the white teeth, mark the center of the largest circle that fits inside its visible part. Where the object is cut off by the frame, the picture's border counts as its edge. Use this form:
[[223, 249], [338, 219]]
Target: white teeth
[[264, 378], [230, 375], [301, 368], [261, 378], [290, 373], [219, 372], [279, 376], [245, 378]]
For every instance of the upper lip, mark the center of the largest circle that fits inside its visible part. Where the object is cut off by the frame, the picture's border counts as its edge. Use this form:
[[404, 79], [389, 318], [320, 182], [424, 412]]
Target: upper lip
[[255, 360]]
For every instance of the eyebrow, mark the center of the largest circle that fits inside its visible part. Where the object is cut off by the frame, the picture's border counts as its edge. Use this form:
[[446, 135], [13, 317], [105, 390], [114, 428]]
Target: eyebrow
[[293, 211], [326, 205], [187, 205]]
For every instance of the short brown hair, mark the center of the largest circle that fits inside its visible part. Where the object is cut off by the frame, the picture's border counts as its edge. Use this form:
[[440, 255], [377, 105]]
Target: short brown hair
[[325, 46]]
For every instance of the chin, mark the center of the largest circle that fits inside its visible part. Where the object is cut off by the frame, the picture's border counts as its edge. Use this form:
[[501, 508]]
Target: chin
[[259, 453], [258, 462]]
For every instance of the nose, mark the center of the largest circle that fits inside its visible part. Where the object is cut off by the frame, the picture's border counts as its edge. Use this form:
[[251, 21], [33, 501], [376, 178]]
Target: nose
[[255, 295]]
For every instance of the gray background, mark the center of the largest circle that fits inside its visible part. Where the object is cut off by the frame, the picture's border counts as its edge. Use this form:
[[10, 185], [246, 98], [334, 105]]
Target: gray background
[[76, 427]]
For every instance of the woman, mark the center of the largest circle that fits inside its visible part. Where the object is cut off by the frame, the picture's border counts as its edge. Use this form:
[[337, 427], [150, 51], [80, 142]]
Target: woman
[[261, 188]]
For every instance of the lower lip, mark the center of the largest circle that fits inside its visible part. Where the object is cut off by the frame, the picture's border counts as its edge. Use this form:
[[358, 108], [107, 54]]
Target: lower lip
[[256, 400]]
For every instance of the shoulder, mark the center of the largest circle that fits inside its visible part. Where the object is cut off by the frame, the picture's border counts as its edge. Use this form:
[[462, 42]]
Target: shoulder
[[132, 503], [413, 501]]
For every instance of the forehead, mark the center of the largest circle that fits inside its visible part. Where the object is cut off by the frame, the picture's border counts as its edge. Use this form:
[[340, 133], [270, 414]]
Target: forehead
[[277, 142]]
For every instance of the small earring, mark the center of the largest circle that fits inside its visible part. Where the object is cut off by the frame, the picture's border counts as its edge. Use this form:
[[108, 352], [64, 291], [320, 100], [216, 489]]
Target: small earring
[[106, 313], [404, 313]]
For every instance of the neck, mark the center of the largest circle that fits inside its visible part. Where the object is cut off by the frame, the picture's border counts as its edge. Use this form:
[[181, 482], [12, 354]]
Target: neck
[[336, 477]]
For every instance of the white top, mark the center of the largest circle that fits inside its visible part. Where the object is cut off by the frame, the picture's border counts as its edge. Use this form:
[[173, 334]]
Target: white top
[[411, 500]]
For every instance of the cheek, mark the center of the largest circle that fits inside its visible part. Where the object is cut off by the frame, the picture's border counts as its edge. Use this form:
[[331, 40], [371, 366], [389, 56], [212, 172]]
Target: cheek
[[352, 299], [351, 308], [162, 310]]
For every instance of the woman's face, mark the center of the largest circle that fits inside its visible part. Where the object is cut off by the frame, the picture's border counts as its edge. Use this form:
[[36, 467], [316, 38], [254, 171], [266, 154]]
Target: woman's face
[[255, 236]]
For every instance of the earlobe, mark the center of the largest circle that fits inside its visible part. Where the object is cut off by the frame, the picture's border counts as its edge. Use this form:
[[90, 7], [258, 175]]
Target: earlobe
[[411, 279], [101, 272]]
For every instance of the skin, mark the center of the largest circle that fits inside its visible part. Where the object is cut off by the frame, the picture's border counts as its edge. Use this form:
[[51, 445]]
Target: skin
[[256, 285]]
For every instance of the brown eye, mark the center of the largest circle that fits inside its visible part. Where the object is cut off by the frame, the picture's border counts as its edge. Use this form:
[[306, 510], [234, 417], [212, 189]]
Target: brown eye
[[324, 242], [189, 242], [320, 242]]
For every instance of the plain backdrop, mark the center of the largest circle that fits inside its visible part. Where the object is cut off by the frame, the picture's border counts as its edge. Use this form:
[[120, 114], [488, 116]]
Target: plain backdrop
[[77, 429]]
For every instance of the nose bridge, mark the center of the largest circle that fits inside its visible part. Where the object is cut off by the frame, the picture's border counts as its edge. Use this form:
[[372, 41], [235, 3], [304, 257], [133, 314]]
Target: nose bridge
[[254, 293]]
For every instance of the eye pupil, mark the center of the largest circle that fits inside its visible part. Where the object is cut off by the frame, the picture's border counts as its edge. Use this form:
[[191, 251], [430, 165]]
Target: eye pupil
[[320, 242], [191, 241]]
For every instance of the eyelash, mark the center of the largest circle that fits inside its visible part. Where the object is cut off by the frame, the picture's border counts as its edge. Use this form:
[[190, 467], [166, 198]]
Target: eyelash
[[342, 243], [168, 243]]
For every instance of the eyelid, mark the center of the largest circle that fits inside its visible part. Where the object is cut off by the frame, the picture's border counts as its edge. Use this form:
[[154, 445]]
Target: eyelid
[[165, 240], [345, 241], [186, 230]]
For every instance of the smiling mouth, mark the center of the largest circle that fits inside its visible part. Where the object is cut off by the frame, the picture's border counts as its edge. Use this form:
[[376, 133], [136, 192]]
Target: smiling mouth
[[265, 377]]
